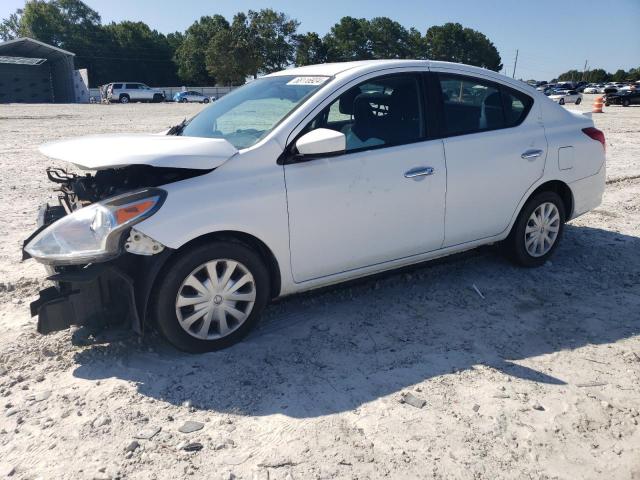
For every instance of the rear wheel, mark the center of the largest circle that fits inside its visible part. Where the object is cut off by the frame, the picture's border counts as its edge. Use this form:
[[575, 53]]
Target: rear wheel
[[538, 230], [211, 296], [206, 100], [183, 100], [626, 102]]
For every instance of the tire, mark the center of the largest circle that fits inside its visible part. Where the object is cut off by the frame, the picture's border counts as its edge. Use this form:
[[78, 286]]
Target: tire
[[197, 263], [625, 102], [517, 241], [124, 99], [578, 101], [206, 100], [183, 100], [607, 104], [561, 101]]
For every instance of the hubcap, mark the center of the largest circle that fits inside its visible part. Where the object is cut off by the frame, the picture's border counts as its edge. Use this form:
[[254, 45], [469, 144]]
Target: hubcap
[[215, 299], [542, 229]]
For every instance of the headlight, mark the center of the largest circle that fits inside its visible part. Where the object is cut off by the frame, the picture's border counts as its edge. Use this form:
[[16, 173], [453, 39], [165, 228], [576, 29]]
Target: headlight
[[92, 234]]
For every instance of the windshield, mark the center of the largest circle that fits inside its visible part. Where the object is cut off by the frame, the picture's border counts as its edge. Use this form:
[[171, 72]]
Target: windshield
[[244, 116]]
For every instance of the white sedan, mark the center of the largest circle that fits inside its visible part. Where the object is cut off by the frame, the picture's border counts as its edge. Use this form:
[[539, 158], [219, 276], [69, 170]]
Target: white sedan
[[305, 178], [591, 90], [566, 96]]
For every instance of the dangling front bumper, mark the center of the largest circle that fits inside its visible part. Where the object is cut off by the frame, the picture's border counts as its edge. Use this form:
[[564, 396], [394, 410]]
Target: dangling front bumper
[[116, 292]]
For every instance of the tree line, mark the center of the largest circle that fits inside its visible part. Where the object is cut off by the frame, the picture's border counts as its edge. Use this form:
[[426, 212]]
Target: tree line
[[599, 75], [215, 50]]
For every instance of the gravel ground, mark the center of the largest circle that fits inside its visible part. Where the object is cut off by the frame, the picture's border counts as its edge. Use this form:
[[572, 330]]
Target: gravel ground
[[408, 375]]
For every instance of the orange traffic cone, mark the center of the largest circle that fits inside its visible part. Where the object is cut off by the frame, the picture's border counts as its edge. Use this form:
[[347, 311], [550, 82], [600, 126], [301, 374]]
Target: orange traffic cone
[[597, 105]]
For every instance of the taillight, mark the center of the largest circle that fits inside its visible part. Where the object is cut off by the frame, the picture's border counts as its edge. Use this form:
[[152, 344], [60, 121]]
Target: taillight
[[595, 134]]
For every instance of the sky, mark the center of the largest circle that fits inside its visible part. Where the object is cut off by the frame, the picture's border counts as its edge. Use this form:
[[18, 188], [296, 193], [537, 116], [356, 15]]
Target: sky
[[550, 36]]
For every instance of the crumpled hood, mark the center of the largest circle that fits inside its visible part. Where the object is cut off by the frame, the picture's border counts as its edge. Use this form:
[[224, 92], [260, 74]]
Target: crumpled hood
[[99, 152]]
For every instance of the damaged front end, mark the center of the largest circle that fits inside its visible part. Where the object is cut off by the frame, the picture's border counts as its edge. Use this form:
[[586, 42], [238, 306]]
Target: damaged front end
[[102, 268]]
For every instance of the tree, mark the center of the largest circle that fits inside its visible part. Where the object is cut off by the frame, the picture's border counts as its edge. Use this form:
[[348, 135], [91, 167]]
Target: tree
[[598, 75], [190, 54], [231, 54], [619, 76], [570, 76], [348, 40], [272, 34], [143, 54], [388, 39], [454, 43], [10, 26], [309, 49]]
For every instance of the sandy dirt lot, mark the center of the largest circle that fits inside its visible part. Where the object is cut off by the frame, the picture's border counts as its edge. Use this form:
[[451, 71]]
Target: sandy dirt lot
[[540, 379]]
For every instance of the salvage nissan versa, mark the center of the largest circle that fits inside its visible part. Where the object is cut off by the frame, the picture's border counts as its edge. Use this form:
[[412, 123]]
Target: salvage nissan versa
[[301, 179]]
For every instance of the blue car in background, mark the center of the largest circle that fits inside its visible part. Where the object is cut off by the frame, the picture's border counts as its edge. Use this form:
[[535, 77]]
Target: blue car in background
[[190, 96]]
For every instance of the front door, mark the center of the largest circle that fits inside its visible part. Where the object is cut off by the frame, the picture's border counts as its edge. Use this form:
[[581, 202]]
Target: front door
[[383, 199]]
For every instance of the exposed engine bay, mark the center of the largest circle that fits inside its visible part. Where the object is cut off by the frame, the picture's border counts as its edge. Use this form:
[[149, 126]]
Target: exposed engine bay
[[77, 191]]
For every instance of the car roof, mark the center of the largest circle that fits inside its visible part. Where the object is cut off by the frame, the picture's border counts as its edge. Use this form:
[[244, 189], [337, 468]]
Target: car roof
[[366, 66]]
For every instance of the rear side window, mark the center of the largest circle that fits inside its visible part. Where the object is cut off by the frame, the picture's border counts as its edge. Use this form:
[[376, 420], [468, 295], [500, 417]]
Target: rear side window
[[470, 105], [132, 86], [516, 106]]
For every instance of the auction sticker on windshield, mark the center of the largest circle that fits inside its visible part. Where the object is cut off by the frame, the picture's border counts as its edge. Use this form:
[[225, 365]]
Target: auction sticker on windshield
[[307, 81]]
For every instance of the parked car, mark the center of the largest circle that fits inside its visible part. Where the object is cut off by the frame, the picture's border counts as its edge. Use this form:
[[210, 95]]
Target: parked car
[[592, 89], [566, 96], [191, 96], [305, 178], [624, 98], [125, 92]]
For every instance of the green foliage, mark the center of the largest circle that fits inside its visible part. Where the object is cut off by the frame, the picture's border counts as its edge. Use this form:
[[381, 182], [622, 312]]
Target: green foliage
[[212, 50], [272, 35], [10, 26], [570, 76], [310, 49], [190, 53], [379, 38], [452, 42]]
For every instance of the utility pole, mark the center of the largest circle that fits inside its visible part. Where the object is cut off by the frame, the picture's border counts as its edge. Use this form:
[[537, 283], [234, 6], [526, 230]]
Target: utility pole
[[584, 71], [514, 65]]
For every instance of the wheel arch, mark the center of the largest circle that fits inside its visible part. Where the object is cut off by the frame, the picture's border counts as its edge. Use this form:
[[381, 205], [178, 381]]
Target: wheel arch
[[556, 186], [248, 240]]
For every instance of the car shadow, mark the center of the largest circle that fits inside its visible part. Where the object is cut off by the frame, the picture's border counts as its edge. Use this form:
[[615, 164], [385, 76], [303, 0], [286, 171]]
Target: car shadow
[[337, 349]]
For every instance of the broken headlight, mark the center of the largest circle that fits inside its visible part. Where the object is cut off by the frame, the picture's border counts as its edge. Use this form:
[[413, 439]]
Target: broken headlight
[[93, 233]]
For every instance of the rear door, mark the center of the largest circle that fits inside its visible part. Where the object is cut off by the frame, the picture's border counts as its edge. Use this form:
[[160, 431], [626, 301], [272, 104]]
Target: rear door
[[495, 149]]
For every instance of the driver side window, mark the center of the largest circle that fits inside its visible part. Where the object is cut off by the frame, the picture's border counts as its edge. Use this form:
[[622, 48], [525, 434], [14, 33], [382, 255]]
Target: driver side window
[[380, 112]]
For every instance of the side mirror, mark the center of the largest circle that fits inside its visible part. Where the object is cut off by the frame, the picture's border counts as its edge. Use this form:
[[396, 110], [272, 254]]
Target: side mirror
[[321, 141]]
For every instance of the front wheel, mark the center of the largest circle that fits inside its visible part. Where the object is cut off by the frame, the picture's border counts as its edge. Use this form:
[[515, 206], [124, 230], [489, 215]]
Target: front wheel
[[626, 102], [211, 296], [561, 102], [538, 230], [578, 101]]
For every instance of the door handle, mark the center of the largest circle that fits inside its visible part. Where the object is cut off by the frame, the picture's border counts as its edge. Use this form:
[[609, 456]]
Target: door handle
[[419, 172], [530, 154]]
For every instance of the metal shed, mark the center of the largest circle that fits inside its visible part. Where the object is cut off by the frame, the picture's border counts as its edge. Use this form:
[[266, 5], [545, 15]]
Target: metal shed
[[34, 72]]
